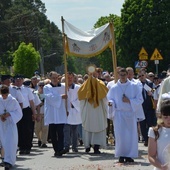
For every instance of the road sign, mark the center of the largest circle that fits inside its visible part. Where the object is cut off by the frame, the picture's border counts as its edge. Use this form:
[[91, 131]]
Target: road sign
[[156, 55], [137, 64], [156, 61], [143, 63], [143, 55]]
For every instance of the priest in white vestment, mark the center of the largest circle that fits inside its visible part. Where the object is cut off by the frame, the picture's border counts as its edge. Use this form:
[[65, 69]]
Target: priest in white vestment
[[10, 114], [93, 108], [126, 99]]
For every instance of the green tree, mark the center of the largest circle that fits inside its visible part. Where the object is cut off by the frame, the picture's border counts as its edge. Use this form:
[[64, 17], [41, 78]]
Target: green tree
[[144, 23], [26, 60], [4, 5], [25, 21], [78, 64], [19, 22], [51, 42]]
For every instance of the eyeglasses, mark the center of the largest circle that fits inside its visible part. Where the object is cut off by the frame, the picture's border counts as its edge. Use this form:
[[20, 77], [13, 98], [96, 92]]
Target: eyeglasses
[[122, 75], [41, 85], [140, 75], [151, 76]]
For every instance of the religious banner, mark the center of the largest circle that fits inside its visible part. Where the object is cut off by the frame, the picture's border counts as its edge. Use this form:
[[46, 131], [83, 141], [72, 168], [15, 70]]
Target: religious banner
[[87, 43]]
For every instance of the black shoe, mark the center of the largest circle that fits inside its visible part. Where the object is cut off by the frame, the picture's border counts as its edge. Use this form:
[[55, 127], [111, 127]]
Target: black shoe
[[7, 165], [128, 159], [56, 154], [64, 151], [97, 152], [22, 152], [43, 146], [121, 160], [2, 164], [81, 142], [39, 143], [87, 150], [145, 143], [27, 152], [96, 149]]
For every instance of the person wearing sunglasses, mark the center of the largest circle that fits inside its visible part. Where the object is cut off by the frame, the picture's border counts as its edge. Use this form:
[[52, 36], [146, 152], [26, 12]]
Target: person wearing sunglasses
[[41, 130], [148, 105], [151, 76]]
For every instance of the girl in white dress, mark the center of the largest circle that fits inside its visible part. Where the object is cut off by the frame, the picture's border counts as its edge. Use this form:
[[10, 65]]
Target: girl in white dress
[[159, 139]]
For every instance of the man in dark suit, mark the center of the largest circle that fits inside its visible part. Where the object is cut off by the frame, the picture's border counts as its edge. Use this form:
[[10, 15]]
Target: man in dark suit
[[148, 105]]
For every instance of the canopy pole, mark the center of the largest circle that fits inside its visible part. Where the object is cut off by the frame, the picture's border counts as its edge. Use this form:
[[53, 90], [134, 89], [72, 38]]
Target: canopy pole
[[113, 48], [65, 63]]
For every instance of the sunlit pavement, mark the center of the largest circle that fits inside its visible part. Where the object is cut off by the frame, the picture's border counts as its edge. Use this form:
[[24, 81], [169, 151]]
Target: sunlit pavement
[[43, 159]]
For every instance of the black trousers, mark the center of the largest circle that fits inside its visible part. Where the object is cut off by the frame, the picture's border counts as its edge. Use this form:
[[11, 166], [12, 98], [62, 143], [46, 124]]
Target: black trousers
[[25, 130], [57, 136], [150, 120]]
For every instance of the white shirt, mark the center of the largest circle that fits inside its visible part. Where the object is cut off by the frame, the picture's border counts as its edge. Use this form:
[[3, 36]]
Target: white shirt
[[16, 93], [28, 96]]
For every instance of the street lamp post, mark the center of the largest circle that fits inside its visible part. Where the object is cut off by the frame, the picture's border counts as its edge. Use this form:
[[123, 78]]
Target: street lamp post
[[42, 61]]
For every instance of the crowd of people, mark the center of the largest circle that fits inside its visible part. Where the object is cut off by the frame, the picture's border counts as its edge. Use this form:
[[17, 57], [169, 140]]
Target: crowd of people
[[72, 109]]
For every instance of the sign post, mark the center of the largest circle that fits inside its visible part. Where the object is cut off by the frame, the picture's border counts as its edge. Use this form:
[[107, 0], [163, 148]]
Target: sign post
[[156, 56], [143, 57]]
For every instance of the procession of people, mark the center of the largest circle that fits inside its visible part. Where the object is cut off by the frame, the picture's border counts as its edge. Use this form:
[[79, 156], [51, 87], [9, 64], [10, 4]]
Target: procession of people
[[71, 108]]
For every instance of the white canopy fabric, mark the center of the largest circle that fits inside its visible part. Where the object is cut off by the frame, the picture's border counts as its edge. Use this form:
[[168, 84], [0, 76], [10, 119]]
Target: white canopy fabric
[[87, 43]]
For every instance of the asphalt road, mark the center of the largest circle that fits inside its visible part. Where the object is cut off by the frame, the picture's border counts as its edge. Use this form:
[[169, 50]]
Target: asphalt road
[[43, 159]]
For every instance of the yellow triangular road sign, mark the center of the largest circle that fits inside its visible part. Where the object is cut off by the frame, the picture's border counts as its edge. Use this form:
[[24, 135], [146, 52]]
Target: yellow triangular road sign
[[156, 55], [143, 55]]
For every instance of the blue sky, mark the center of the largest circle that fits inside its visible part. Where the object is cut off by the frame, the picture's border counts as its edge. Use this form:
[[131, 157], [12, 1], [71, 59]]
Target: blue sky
[[83, 14]]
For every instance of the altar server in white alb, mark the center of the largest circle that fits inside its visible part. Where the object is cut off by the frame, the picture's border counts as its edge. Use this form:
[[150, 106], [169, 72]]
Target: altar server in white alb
[[10, 114], [126, 99], [55, 112], [74, 116]]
